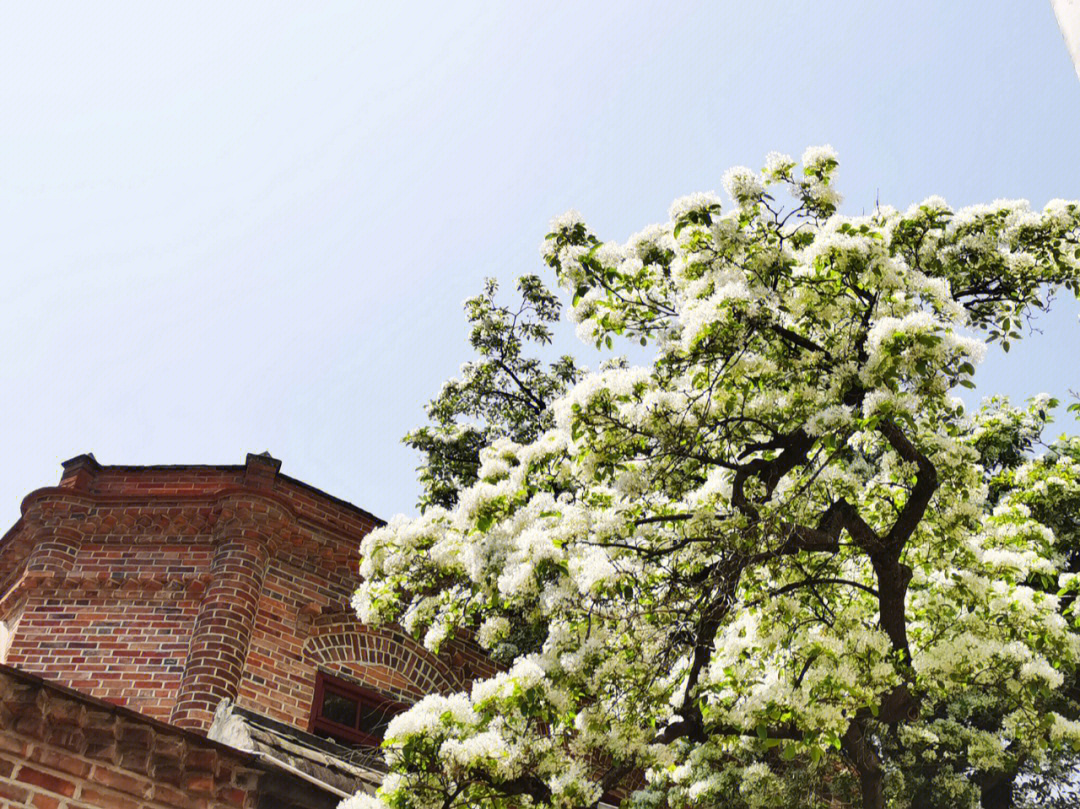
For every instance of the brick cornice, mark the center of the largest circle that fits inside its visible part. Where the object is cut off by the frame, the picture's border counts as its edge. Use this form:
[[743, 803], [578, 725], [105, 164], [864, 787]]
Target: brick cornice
[[199, 519], [59, 494], [138, 584]]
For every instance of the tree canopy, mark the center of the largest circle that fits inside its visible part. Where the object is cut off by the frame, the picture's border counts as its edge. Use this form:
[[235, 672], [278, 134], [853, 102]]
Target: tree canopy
[[780, 565]]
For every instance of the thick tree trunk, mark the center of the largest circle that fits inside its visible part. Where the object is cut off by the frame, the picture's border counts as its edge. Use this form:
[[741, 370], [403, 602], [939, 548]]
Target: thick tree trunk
[[873, 790], [866, 761], [893, 579], [998, 793]]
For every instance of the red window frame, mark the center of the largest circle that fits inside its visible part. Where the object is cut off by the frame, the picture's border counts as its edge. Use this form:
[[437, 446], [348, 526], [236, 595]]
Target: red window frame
[[364, 697]]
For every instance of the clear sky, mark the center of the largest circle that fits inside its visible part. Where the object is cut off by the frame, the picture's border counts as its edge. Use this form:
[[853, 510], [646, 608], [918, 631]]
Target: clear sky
[[230, 227]]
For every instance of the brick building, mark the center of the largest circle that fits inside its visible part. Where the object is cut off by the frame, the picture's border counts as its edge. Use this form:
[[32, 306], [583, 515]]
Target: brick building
[[180, 636]]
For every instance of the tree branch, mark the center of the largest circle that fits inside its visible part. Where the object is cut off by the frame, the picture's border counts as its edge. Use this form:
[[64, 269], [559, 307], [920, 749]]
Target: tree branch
[[787, 588], [926, 483]]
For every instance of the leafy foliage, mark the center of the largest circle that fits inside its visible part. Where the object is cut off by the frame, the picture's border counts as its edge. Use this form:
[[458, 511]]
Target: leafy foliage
[[780, 565], [501, 394]]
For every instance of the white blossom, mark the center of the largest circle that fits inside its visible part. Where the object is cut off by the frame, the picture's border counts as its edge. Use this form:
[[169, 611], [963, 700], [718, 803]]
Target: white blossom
[[699, 201], [817, 157], [743, 185]]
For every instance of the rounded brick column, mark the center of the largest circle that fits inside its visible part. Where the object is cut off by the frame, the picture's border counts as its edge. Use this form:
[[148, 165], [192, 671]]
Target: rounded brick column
[[54, 524], [219, 643]]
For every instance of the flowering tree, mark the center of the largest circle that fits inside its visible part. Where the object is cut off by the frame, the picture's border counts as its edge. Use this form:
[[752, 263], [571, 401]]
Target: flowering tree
[[779, 566]]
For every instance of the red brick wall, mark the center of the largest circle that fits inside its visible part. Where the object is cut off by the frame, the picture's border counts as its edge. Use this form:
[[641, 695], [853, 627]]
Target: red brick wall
[[127, 647], [58, 751], [131, 591], [305, 624]]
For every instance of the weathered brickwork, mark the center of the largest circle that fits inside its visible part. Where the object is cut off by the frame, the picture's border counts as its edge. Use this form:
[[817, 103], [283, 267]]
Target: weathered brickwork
[[59, 750], [125, 646], [168, 589]]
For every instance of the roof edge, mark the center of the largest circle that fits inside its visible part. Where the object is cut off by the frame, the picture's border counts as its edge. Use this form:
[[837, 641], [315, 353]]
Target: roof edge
[[89, 460], [38, 681]]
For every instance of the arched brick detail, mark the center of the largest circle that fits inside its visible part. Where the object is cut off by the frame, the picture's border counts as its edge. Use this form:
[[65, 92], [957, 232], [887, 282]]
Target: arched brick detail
[[340, 643]]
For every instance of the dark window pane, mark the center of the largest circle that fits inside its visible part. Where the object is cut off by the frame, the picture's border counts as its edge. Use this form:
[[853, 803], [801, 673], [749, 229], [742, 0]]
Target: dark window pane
[[375, 718], [350, 713], [338, 709]]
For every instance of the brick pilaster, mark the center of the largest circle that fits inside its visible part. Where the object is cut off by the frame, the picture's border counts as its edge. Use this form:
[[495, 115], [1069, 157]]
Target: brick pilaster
[[55, 530], [56, 521], [54, 552], [245, 534]]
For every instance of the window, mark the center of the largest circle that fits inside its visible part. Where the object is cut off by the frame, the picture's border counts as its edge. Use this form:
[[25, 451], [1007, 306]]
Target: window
[[350, 713]]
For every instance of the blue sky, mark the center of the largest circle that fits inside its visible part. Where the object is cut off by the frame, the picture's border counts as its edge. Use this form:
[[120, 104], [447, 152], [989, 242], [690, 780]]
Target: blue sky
[[230, 227]]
